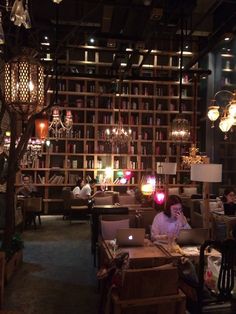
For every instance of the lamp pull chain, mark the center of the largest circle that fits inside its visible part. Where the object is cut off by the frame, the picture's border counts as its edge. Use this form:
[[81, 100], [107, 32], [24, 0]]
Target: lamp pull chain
[[195, 108], [181, 65], [56, 59], [7, 5]]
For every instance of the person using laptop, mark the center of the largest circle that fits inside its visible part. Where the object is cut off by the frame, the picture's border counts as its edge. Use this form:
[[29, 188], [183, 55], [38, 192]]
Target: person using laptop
[[171, 220], [229, 201]]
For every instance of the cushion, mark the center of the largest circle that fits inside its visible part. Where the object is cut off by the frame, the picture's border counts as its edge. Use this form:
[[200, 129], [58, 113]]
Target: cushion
[[103, 200], [127, 199], [173, 191], [212, 205], [109, 228], [188, 191]]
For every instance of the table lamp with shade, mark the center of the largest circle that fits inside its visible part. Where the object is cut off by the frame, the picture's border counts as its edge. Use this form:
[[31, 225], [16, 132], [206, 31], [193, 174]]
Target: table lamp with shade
[[166, 169], [206, 173]]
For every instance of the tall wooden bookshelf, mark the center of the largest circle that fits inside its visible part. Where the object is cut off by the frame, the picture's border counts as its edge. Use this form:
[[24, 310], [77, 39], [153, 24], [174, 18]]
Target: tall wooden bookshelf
[[149, 102]]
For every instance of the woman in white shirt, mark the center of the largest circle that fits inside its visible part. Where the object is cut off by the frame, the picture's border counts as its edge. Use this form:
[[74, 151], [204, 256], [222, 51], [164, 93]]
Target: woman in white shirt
[[86, 191], [79, 185], [171, 220]]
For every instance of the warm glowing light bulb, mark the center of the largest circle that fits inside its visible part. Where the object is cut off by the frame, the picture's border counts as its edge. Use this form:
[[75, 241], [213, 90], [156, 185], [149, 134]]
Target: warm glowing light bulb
[[108, 172], [232, 109], [147, 189], [31, 86]]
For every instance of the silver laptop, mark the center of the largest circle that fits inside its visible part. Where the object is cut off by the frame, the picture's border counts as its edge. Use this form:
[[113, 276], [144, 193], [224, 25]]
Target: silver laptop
[[195, 236], [130, 237]]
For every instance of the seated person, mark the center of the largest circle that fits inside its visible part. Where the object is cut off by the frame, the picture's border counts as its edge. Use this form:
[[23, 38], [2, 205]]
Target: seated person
[[79, 185], [171, 220], [86, 191], [229, 201], [27, 189]]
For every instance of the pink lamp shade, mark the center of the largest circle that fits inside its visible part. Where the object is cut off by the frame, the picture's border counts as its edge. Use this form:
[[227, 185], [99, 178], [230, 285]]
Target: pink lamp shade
[[159, 197]]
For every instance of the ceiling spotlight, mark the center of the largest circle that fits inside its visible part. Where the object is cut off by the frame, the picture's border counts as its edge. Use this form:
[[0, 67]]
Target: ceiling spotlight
[[57, 1], [227, 38], [91, 40]]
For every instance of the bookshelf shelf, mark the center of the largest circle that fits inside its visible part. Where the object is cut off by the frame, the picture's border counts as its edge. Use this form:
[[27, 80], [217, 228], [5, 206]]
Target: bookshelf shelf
[[148, 105]]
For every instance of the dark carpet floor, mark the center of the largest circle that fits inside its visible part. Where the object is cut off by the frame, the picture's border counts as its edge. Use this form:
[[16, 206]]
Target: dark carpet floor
[[57, 275]]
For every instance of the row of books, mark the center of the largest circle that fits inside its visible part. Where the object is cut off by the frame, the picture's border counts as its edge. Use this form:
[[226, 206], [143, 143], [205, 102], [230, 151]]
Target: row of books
[[56, 179]]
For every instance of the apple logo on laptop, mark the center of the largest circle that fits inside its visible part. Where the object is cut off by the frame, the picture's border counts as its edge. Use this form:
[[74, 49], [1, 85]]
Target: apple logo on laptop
[[130, 237]]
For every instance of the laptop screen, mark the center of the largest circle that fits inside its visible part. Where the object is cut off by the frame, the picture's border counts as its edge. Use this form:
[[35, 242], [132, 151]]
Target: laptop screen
[[130, 237], [195, 236]]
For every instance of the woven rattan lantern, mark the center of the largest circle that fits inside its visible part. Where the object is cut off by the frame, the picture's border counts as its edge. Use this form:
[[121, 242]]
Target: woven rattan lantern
[[24, 85]]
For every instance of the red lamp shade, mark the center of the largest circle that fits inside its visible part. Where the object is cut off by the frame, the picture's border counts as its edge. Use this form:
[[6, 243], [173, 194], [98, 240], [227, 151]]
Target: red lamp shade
[[159, 197], [41, 128]]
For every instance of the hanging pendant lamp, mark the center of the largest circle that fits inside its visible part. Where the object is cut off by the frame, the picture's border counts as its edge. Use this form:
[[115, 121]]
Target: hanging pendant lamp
[[180, 128]]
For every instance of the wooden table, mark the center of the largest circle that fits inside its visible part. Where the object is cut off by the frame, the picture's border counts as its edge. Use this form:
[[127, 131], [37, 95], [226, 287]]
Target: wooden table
[[151, 254], [148, 255], [144, 284]]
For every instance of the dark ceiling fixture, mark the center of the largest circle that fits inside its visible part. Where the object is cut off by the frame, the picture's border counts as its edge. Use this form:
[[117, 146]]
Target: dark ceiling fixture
[[180, 128]]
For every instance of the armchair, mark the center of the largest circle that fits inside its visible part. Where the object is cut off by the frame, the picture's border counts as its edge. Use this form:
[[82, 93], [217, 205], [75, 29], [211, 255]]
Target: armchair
[[149, 290], [74, 206], [32, 208], [200, 299]]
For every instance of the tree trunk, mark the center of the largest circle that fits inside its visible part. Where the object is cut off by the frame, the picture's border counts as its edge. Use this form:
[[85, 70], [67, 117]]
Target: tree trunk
[[10, 195], [10, 210]]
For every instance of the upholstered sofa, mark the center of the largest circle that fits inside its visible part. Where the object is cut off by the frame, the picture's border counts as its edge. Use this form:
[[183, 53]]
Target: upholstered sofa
[[195, 207], [72, 204]]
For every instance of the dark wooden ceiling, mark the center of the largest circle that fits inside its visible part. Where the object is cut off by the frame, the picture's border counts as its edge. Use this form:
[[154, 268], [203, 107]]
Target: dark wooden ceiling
[[150, 22]]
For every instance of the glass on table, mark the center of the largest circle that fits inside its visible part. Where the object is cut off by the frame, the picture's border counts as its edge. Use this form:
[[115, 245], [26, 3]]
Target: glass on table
[[114, 246], [172, 234]]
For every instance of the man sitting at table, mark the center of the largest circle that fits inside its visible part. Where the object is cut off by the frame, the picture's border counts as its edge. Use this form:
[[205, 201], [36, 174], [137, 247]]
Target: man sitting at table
[[27, 189], [169, 221]]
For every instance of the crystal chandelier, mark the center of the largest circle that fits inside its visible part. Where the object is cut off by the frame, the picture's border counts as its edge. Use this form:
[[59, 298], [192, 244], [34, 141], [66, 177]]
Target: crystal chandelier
[[180, 128], [33, 150], [226, 101], [119, 135], [20, 15], [57, 127]]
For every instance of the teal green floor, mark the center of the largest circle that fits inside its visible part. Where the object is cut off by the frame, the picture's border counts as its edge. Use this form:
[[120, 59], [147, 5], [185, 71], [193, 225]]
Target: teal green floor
[[57, 275]]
